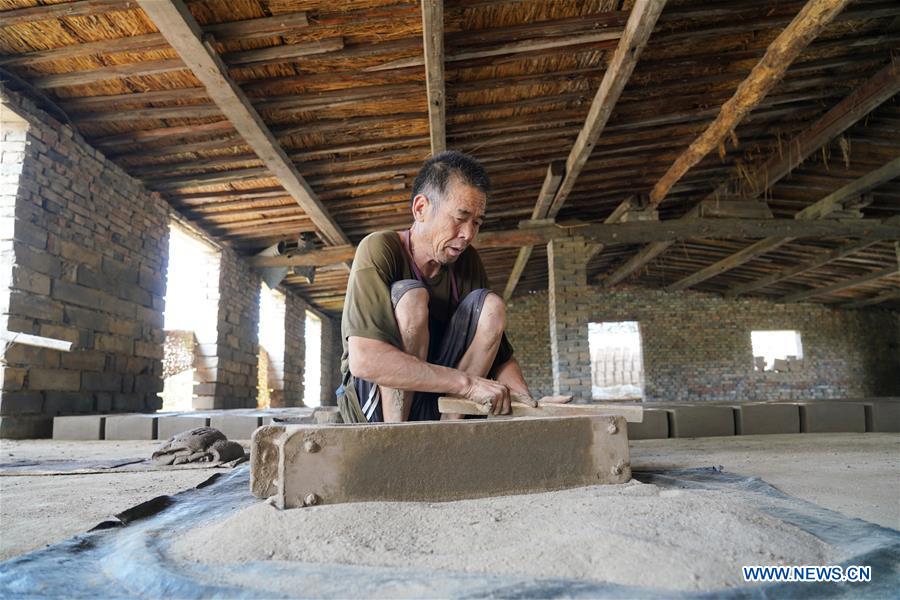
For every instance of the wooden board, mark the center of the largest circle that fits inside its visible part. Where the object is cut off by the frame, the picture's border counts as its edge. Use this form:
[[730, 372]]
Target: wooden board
[[633, 413]]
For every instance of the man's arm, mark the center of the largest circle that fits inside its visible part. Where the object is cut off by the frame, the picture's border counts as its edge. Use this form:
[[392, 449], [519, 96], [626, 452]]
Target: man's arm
[[388, 366]]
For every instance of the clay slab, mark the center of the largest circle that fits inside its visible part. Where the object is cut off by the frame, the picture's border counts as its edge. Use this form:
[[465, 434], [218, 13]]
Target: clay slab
[[87, 427], [700, 421], [654, 426], [170, 426], [131, 427], [755, 419], [883, 417], [301, 465], [832, 417]]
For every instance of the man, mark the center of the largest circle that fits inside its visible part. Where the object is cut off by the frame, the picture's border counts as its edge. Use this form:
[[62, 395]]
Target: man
[[419, 320]]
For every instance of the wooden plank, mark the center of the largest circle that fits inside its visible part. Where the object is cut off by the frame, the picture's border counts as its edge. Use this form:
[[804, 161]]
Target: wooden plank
[[245, 29], [633, 413], [877, 299], [841, 285], [635, 36], [283, 52], [723, 229], [149, 67], [643, 256], [312, 258], [806, 26], [433, 40], [555, 173], [830, 203], [80, 8], [176, 23], [836, 254], [522, 46]]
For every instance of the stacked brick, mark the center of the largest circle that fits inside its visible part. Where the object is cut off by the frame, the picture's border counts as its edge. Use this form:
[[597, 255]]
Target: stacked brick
[[237, 334], [332, 349], [88, 259], [696, 346], [569, 314], [294, 349]]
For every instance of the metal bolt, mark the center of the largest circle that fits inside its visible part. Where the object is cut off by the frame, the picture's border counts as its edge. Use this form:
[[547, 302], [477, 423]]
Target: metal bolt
[[310, 500], [311, 447]]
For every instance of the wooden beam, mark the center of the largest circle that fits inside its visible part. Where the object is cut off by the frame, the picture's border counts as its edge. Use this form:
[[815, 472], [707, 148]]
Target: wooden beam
[[641, 232], [635, 36], [80, 8], [633, 413], [819, 261], [871, 94], [175, 22], [877, 299], [283, 52], [433, 39], [841, 285], [812, 19], [830, 203], [312, 258], [555, 172], [149, 67]]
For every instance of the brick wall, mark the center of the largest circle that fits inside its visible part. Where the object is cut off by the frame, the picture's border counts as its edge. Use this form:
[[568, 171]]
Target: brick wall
[[697, 346], [294, 348], [331, 359], [89, 255]]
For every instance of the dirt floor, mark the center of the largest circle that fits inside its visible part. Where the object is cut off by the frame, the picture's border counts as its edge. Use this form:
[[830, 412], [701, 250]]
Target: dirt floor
[[855, 474]]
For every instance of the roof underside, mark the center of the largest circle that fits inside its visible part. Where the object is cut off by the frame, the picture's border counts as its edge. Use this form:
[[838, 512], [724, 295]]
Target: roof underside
[[342, 87]]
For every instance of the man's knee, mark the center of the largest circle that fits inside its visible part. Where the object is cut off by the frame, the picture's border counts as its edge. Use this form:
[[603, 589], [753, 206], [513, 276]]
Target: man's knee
[[493, 315], [411, 310]]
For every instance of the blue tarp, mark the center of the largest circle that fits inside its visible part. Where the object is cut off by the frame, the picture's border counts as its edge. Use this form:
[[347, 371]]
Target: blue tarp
[[131, 560]]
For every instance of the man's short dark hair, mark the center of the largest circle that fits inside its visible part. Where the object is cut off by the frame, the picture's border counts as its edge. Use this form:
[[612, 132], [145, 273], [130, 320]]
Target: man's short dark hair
[[436, 173]]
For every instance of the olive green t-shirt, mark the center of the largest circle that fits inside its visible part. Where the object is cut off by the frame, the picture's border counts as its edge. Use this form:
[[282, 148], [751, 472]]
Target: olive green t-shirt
[[380, 261]]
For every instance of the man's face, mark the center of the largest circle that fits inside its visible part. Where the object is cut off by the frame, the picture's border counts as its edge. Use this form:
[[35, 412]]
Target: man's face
[[453, 225]]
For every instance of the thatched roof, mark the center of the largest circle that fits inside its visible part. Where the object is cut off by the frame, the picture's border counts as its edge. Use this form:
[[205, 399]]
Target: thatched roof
[[341, 85]]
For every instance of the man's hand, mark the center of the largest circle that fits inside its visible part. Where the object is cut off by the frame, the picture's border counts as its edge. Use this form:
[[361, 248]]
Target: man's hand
[[489, 392]]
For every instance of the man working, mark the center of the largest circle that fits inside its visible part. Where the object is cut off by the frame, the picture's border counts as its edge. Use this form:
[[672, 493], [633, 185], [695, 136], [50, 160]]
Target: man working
[[419, 320]]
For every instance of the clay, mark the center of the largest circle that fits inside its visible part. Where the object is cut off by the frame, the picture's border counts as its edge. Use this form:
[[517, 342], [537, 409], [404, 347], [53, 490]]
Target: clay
[[753, 419], [131, 427], [655, 425], [883, 417], [700, 421], [630, 534], [236, 426], [173, 425], [436, 460], [88, 427], [832, 417]]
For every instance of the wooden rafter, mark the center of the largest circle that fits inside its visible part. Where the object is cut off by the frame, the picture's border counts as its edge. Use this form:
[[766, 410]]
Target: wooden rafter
[[433, 38], [555, 190], [175, 22], [875, 91], [806, 26], [841, 285], [830, 203]]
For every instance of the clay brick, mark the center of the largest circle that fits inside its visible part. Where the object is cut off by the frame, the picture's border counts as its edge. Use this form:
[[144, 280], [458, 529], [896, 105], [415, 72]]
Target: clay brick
[[700, 421], [169, 426], [435, 461], [26, 427], [755, 419], [77, 294], [85, 360], [23, 304], [30, 281], [832, 417], [54, 379], [882, 417], [62, 403], [131, 427], [109, 381], [236, 426], [655, 425], [13, 378], [87, 427], [21, 403]]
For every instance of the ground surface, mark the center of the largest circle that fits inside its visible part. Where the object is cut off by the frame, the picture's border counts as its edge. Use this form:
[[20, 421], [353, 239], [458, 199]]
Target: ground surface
[[855, 474]]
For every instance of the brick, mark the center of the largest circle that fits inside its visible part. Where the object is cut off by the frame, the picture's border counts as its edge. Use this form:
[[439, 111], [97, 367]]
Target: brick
[[236, 426], [21, 403], [756, 419], [30, 281], [131, 427], [83, 360], [101, 382], [169, 426], [23, 304], [700, 421], [832, 417], [87, 319], [88, 427], [26, 427], [655, 425], [61, 403], [77, 294], [54, 379], [883, 417], [59, 332], [474, 458], [114, 343], [13, 378]]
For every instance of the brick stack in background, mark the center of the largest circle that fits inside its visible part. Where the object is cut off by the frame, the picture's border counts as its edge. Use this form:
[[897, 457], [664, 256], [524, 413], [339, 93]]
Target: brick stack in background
[[696, 346], [569, 314], [294, 348], [89, 260], [332, 349]]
